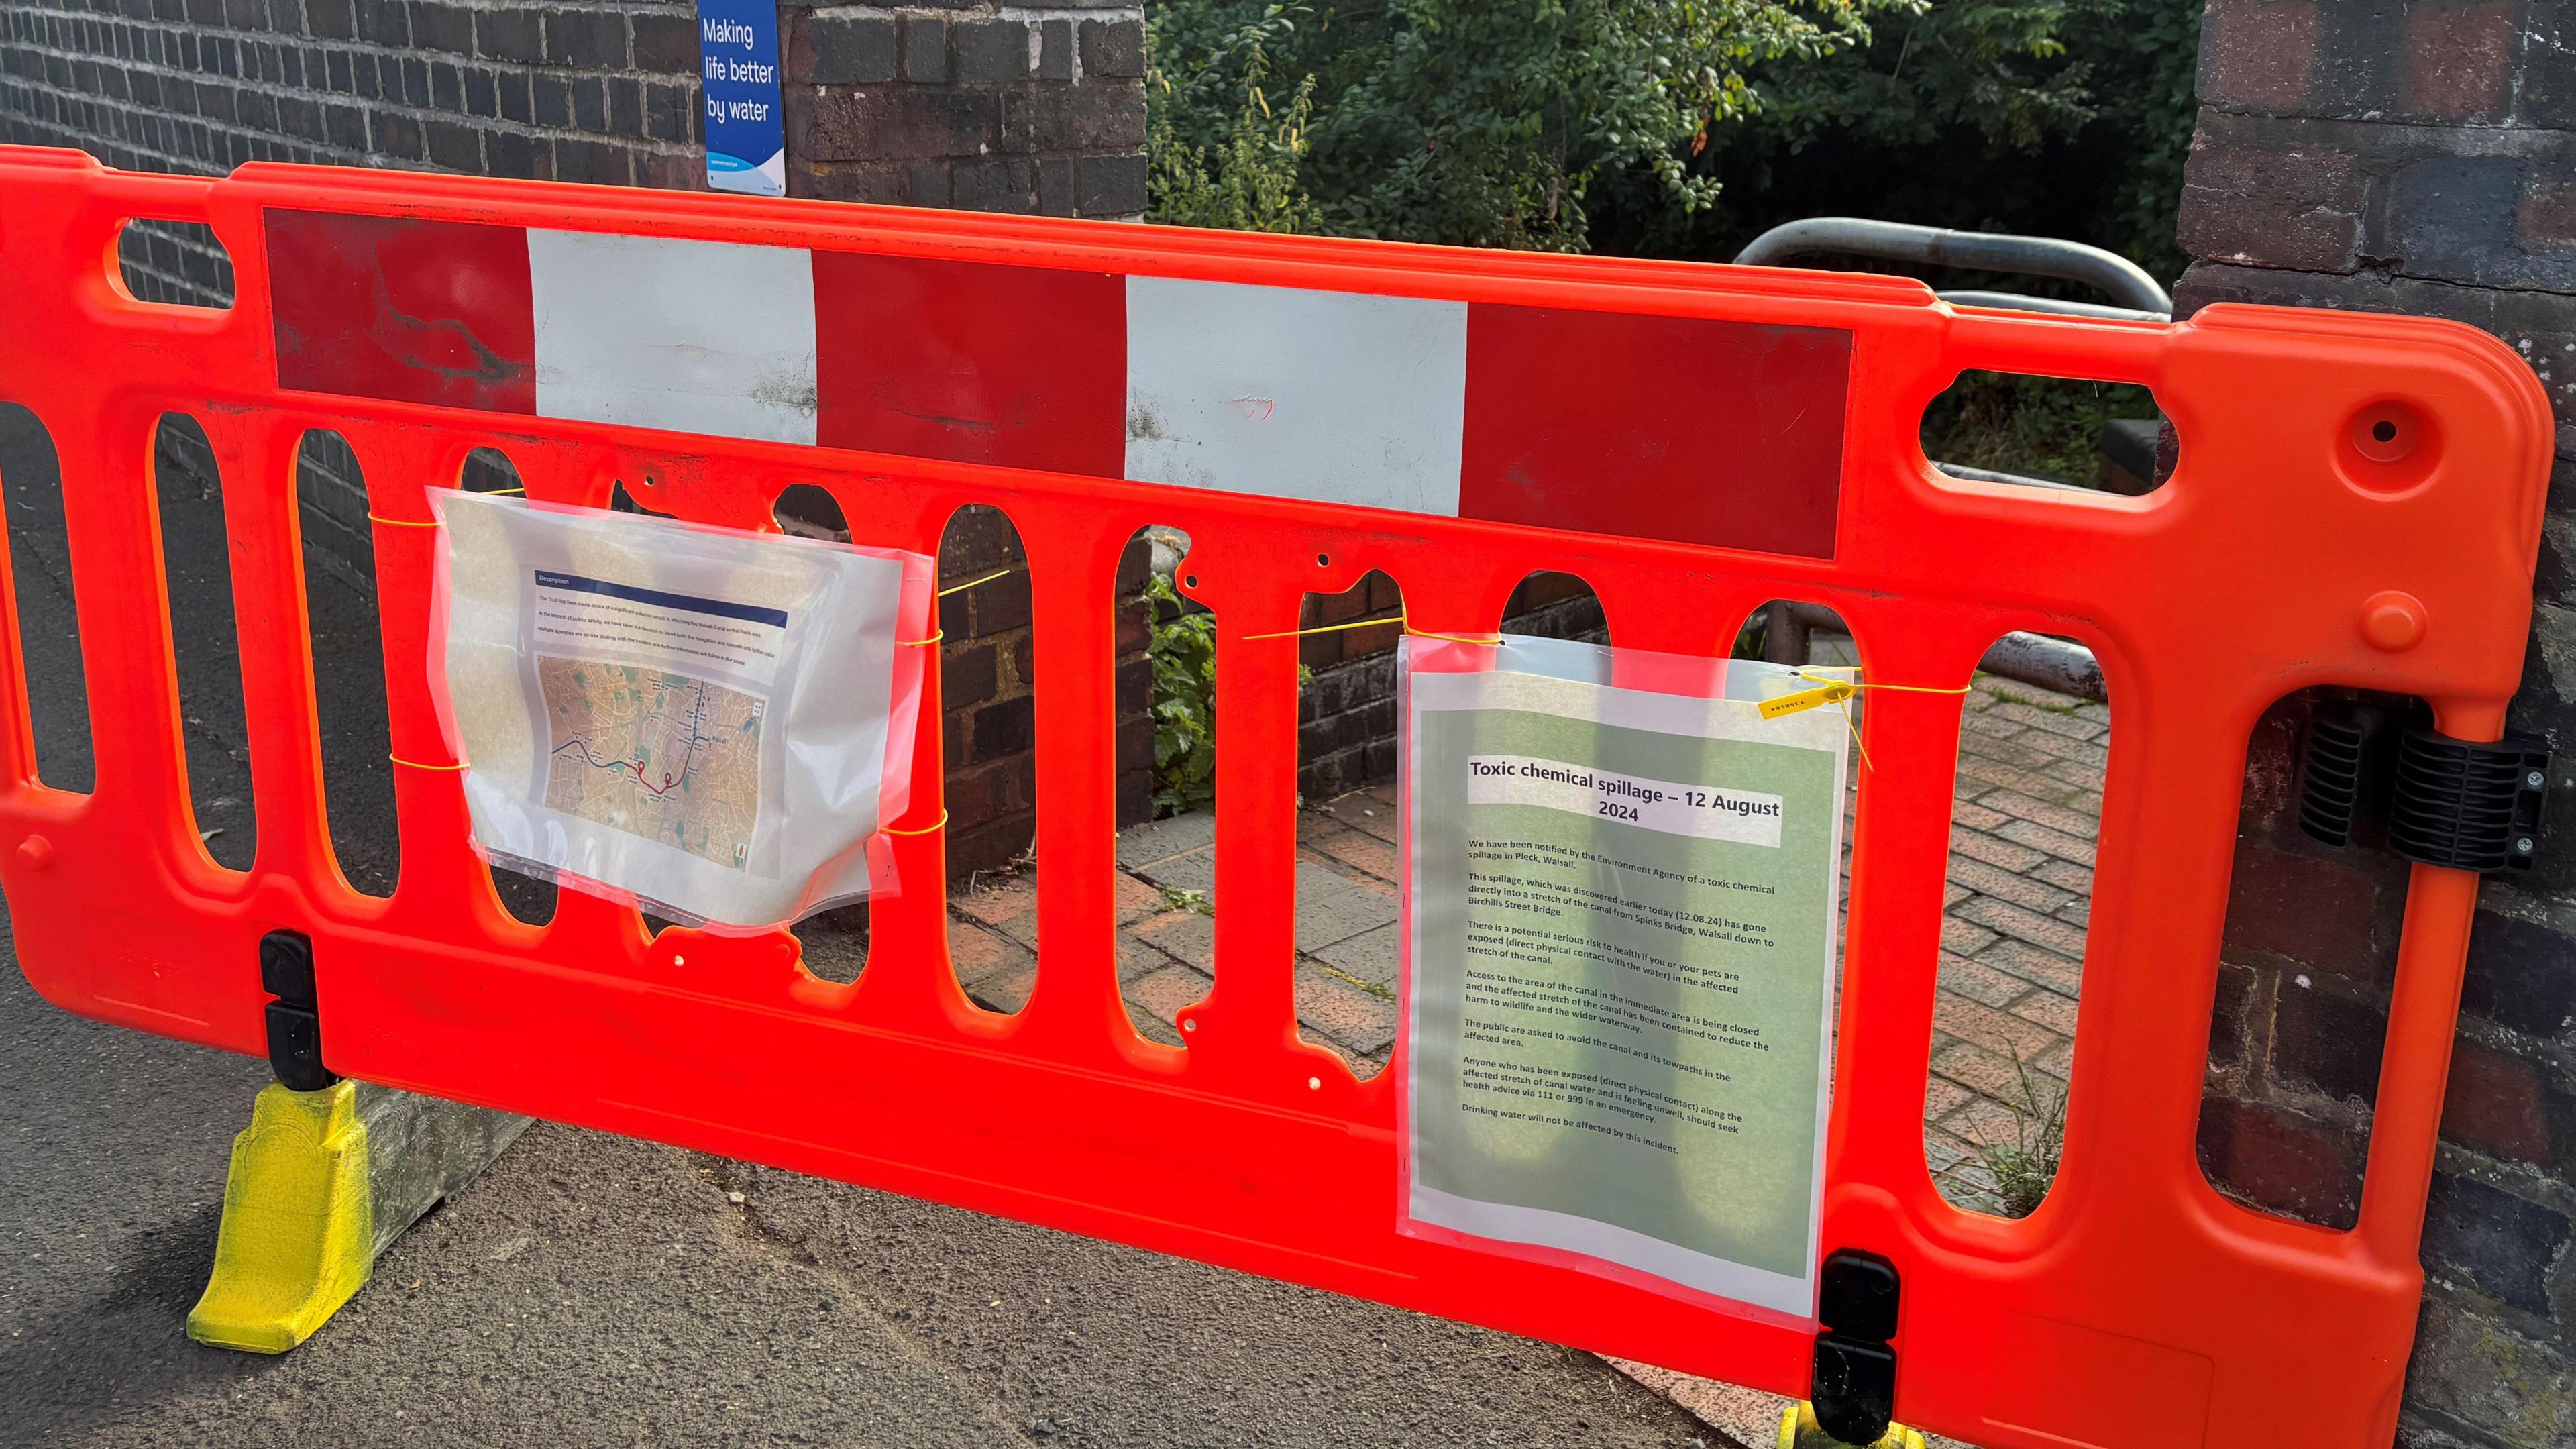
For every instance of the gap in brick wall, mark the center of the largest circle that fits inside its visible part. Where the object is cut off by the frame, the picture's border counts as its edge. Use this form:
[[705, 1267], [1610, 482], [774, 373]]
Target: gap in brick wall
[[349, 677], [2025, 823], [988, 733], [1345, 881], [174, 263], [49, 638], [196, 563], [2306, 966], [1166, 896], [529, 900]]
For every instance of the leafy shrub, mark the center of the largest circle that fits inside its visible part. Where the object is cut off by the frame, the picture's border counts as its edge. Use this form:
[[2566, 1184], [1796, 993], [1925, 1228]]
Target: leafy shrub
[[1183, 650]]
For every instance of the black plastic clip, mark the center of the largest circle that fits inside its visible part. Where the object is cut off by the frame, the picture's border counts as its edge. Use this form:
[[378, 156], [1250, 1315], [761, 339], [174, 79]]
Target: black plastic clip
[[2466, 805], [2369, 777], [1853, 1386], [295, 1017]]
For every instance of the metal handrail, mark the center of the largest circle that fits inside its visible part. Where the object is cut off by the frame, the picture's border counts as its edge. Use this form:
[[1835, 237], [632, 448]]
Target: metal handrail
[[2125, 281]]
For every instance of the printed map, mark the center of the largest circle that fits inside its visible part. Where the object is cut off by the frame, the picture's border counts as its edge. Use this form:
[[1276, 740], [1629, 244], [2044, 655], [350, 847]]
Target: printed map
[[656, 754]]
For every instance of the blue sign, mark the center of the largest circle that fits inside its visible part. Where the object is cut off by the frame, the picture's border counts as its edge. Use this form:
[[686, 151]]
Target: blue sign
[[738, 59]]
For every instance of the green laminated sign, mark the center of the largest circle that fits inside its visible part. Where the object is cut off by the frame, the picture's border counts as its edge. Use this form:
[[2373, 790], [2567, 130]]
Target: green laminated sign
[[1621, 918]]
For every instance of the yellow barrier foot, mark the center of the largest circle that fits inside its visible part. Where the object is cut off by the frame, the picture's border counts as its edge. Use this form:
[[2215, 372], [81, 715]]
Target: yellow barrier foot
[[1799, 1430], [321, 1183], [298, 1234]]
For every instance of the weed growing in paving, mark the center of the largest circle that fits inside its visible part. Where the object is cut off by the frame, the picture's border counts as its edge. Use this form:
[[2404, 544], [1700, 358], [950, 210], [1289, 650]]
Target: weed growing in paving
[[2024, 1168]]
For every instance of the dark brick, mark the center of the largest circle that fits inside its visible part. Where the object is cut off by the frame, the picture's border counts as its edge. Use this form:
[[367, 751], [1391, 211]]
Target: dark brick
[[1088, 117], [346, 126], [1055, 50], [2496, 1104], [553, 97], [625, 106], [587, 39], [508, 153], [455, 148], [595, 162], [926, 183], [992, 50], [2316, 914], [446, 88], [510, 33], [2230, 1026], [1111, 185], [925, 49], [442, 27], [482, 93], [903, 122], [969, 677], [384, 22], [666, 44], [2272, 194], [2520, 975], [331, 19], [2280, 1160], [845, 50], [1114, 48], [515, 103], [590, 105], [2499, 1242], [666, 111], [1005, 727], [391, 133], [2327, 1042]]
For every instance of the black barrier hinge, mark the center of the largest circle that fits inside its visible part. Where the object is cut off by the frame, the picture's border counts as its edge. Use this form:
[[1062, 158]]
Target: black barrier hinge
[[2367, 776], [1853, 1386], [295, 1016]]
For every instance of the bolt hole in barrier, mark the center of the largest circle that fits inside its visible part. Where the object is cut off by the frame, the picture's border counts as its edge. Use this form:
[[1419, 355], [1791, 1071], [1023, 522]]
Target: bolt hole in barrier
[[2109, 437], [2389, 447], [1690, 441], [174, 264], [40, 592], [188, 494]]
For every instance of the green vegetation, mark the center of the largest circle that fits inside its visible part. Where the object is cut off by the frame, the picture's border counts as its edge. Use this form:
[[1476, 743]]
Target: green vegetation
[[2035, 426], [1673, 127], [2024, 1167], [1183, 649]]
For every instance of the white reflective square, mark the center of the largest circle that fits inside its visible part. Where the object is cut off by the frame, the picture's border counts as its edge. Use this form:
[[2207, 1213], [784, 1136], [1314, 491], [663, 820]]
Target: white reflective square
[[1335, 397], [694, 336]]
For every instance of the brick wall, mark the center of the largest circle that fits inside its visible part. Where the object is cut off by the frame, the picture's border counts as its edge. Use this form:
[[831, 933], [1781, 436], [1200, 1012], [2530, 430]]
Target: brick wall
[[2410, 157], [961, 103], [1346, 713], [1037, 109]]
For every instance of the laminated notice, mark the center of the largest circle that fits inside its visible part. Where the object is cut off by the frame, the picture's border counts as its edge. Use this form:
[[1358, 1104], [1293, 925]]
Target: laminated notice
[[1621, 907], [708, 723]]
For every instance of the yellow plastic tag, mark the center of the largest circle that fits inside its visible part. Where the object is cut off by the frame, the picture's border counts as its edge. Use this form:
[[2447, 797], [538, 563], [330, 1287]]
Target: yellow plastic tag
[[1806, 699]]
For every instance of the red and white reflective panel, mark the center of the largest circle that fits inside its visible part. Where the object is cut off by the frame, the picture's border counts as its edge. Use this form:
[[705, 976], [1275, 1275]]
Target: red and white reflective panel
[[1679, 428]]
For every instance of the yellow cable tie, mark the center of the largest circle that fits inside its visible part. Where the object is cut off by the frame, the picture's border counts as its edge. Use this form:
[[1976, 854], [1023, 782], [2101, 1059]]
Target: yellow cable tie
[[970, 583], [938, 824], [1371, 623], [402, 522], [426, 765], [935, 636]]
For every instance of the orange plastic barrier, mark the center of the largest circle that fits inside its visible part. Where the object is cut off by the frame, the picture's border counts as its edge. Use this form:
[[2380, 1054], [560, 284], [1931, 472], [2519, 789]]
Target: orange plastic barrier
[[1689, 440]]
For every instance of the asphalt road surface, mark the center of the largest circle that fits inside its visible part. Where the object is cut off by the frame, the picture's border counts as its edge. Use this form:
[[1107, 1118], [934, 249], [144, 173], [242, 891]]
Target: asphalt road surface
[[590, 1290]]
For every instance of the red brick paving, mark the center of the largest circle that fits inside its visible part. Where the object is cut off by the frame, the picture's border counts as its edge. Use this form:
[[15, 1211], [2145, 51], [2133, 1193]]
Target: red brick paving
[[2028, 807]]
